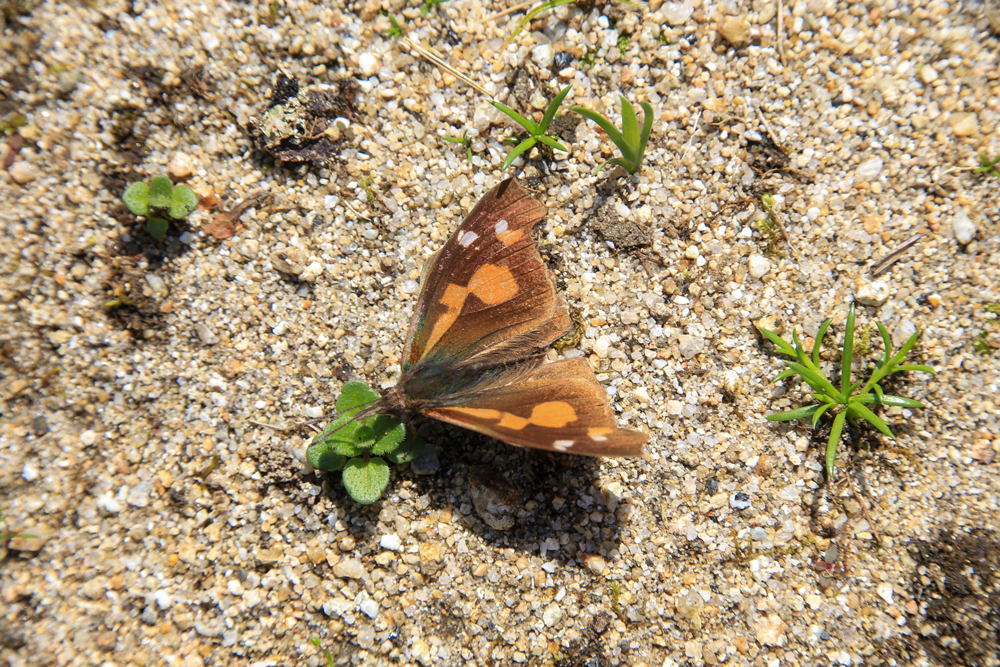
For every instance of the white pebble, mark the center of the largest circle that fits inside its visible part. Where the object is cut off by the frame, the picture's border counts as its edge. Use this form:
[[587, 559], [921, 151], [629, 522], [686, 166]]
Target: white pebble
[[869, 169], [543, 55], [642, 395], [108, 504], [23, 172], [369, 607], [601, 347], [29, 472], [759, 266], [181, 166], [963, 227], [87, 438], [163, 599], [368, 64], [390, 542], [235, 587]]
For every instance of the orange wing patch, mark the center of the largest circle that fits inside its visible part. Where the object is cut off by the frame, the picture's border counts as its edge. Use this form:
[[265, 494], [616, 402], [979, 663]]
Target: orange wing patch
[[554, 414], [507, 236], [491, 284]]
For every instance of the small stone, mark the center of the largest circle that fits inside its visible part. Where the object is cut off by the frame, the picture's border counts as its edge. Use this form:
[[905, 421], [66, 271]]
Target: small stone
[[814, 601], [33, 539], [368, 64], [928, 74], [759, 266], [290, 260], [23, 172], [543, 55], [349, 568], [642, 395], [181, 166], [369, 608], [390, 542], [964, 124], [869, 170], [675, 407], [692, 252], [552, 614], [735, 30], [770, 630], [676, 13], [873, 293], [427, 463], [163, 599], [205, 335], [740, 501], [691, 346], [595, 563], [88, 437], [495, 499], [108, 504], [431, 557], [884, 591], [601, 347], [983, 451], [312, 272], [903, 331], [963, 227], [421, 652], [138, 495]]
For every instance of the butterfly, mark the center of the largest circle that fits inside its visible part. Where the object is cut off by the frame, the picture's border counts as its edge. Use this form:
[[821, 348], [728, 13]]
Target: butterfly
[[474, 354]]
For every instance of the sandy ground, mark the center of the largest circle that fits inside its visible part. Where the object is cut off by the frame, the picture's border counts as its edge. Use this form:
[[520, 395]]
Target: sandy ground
[[146, 384]]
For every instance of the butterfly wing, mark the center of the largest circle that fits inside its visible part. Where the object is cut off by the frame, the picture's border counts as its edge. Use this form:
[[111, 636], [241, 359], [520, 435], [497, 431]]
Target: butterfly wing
[[559, 407], [487, 298]]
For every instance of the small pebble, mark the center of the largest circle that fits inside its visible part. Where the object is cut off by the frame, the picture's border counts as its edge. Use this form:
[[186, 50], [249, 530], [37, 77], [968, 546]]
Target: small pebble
[[181, 166], [735, 30], [963, 227], [759, 266], [964, 124], [740, 501], [23, 172]]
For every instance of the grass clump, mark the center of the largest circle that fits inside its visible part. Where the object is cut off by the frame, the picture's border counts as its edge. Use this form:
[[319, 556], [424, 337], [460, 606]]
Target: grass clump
[[631, 141], [536, 131], [850, 400]]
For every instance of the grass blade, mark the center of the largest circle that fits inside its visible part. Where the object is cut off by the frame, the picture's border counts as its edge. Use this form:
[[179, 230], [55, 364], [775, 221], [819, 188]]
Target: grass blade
[[779, 342], [521, 147], [526, 123], [831, 445], [861, 411], [798, 413], [816, 380], [604, 124], [818, 343], [549, 141], [848, 356], [630, 124], [819, 413], [915, 367], [554, 105]]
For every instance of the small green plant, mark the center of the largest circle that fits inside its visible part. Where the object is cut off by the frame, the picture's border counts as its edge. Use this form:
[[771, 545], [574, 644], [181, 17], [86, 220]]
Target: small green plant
[[535, 130], [622, 44], [631, 141], [158, 199], [851, 400], [769, 226], [327, 655], [356, 447], [589, 58], [4, 535], [465, 141], [989, 166], [425, 10], [986, 342], [395, 30]]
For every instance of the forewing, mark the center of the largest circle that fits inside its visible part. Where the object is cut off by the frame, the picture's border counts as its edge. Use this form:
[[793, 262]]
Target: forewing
[[560, 407], [487, 297]]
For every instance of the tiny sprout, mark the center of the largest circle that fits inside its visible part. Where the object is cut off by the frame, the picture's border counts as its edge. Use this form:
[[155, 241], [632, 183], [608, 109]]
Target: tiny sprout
[[465, 141], [535, 130], [157, 199], [851, 400], [631, 141]]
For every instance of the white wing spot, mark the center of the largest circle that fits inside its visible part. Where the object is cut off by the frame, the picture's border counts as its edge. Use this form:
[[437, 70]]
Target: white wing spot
[[501, 227], [562, 445], [467, 239], [598, 438]]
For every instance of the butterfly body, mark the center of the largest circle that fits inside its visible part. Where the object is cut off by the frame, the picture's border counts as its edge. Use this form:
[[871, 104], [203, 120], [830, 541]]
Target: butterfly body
[[474, 355]]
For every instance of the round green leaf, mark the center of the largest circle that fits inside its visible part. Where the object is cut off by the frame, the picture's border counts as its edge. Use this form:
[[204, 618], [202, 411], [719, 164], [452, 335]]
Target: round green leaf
[[136, 198], [347, 447], [389, 432], [355, 394], [366, 480], [321, 456], [364, 434], [409, 449], [160, 192], [157, 227], [182, 202]]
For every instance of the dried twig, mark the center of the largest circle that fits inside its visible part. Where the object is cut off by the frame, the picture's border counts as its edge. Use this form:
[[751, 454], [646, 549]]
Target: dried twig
[[509, 10], [429, 55], [881, 265], [781, 32]]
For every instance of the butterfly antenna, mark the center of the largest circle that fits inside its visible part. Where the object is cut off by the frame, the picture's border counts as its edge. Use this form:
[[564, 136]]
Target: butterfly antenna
[[369, 409]]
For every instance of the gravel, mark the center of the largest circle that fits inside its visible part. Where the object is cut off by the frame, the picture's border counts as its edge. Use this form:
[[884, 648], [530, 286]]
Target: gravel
[[153, 392]]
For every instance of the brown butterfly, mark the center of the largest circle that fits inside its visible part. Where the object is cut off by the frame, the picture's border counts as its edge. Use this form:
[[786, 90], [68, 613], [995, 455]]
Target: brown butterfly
[[474, 354]]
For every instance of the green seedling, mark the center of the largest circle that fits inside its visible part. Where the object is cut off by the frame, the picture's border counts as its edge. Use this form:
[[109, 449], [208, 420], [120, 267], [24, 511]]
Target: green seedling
[[327, 655], [769, 226], [465, 141], [536, 131], [356, 447], [631, 141], [989, 166], [425, 10], [158, 199], [4, 535], [622, 44], [395, 30], [851, 400], [532, 14]]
